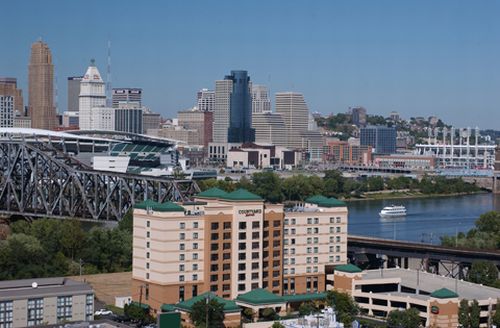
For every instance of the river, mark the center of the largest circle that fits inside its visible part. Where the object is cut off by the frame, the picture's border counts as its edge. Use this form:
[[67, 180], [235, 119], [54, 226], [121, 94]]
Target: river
[[427, 218]]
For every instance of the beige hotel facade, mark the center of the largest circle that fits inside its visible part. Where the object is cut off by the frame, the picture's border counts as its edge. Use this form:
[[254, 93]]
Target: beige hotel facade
[[233, 243]]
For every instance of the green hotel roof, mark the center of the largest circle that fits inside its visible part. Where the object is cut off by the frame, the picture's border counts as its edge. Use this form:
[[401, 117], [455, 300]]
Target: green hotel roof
[[167, 308], [212, 193], [229, 306], [349, 268], [444, 293], [160, 207], [324, 201], [242, 194], [304, 297], [260, 296]]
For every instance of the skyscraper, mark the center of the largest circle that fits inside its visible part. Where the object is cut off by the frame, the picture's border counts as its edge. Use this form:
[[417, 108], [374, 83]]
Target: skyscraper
[[381, 138], [11, 101], [74, 93], [41, 87], [358, 116], [206, 100], [127, 95], [92, 94], [260, 99], [293, 109], [128, 117], [233, 109], [269, 128]]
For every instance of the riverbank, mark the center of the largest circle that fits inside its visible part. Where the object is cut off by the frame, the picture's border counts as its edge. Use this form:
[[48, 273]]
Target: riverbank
[[408, 195]]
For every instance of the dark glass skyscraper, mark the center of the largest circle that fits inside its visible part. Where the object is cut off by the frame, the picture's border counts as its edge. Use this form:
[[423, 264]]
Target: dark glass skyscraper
[[240, 109], [381, 138]]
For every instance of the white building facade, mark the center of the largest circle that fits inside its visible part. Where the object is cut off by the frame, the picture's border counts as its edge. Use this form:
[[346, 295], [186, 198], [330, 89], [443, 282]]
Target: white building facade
[[92, 95], [260, 99]]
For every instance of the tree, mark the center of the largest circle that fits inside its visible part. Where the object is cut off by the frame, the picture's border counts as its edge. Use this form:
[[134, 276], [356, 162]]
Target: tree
[[248, 314], [483, 272], [408, 318], [495, 319], [463, 313], [269, 314], [215, 314], [489, 222], [334, 183], [127, 222], [307, 308], [277, 325], [137, 313], [344, 305], [268, 186], [474, 314]]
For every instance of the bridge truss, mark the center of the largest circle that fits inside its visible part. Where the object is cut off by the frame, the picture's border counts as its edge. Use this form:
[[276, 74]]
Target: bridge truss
[[39, 180]]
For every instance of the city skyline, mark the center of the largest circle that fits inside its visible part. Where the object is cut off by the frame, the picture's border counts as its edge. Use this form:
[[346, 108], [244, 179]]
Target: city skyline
[[418, 59]]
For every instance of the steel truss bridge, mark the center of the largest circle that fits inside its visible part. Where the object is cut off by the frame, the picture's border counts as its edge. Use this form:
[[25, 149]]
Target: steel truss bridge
[[37, 179]]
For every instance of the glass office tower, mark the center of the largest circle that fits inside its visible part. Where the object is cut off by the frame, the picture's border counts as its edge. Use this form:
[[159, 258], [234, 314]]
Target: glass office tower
[[240, 111]]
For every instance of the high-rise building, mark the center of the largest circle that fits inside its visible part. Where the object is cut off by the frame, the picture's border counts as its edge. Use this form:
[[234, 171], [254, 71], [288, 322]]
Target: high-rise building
[[260, 99], [92, 95], [11, 101], [358, 116], [41, 87], [233, 109], [128, 117], [293, 109], [381, 138], [206, 100], [199, 120], [74, 93], [269, 128], [233, 243], [150, 120], [126, 95]]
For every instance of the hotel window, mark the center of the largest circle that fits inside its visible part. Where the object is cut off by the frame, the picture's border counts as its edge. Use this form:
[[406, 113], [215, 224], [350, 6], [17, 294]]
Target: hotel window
[[195, 245], [147, 244], [337, 258], [286, 232], [337, 248], [309, 250], [214, 257], [226, 277], [316, 230], [181, 257], [332, 230], [242, 225], [332, 240], [315, 259], [338, 229], [214, 225], [315, 269], [338, 219], [64, 308], [195, 277], [226, 266], [337, 239], [242, 277], [332, 220], [330, 259], [255, 225], [294, 221], [292, 271], [293, 231], [285, 261], [255, 265], [292, 251], [195, 235], [242, 256], [242, 266], [182, 225], [214, 236], [308, 269], [309, 231], [147, 275], [285, 251], [242, 235], [226, 246], [316, 220], [286, 241], [316, 249], [35, 311], [316, 240], [181, 293], [309, 240], [214, 268], [308, 260], [182, 247], [195, 225], [226, 287], [148, 224], [276, 224], [226, 256], [226, 235], [292, 241], [241, 287], [331, 249], [148, 234], [255, 235], [227, 225], [181, 267], [292, 261], [147, 255], [255, 255], [181, 278], [255, 245], [213, 277], [285, 271], [195, 256], [309, 220], [287, 222], [89, 307]]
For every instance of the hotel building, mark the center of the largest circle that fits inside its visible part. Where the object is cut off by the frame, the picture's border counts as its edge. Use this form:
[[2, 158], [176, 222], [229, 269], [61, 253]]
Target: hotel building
[[232, 243]]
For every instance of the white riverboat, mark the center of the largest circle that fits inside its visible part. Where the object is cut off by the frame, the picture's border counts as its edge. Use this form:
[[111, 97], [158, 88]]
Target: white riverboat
[[393, 211]]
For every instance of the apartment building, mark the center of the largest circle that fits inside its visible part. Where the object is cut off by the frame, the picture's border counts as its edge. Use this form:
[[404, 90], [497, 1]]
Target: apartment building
[[232, 243]]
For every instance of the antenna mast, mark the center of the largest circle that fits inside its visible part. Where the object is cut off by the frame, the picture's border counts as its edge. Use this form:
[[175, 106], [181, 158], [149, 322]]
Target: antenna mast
[[108, 78]]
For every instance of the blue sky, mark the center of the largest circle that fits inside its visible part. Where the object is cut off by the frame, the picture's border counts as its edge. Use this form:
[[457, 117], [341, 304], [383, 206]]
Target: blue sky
[[421, 57]]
